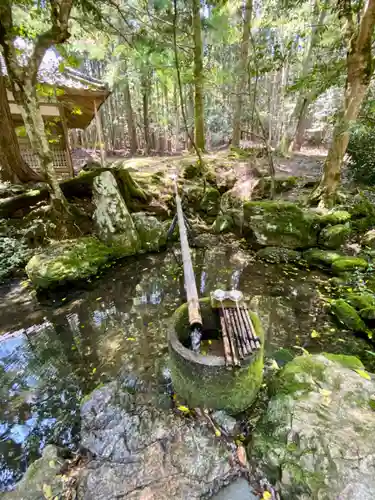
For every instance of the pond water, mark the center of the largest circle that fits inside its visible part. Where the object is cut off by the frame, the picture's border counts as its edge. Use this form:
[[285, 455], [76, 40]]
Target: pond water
[[55, 350]]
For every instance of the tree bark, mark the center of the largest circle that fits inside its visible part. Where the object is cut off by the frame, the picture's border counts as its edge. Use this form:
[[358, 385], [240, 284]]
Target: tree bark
[[132, 131], [14, 167], [198, 77], [359, 70], [23, 80], [242, 76], [145, 105], [298, 116], [35, 129]]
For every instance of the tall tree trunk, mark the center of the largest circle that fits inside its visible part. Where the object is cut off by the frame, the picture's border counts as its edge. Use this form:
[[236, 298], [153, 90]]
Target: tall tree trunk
[[242, 73], [132, 131], [298, 116], [198, 76], [359, 71], [14, 167], [32, 117], [145, 105], [177, 116], [296, 144]]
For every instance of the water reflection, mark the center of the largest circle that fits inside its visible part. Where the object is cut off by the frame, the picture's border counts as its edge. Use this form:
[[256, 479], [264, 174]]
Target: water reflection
[[83, 338]]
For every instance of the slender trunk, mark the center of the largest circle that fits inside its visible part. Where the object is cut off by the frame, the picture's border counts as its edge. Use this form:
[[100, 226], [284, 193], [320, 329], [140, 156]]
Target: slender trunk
[[359, 71], [132, 131], [32, 117], [298, 116], [177, 116], [198, 76], [354, 95], [301, 125], [13, 166], [145, 104], [242, 76]]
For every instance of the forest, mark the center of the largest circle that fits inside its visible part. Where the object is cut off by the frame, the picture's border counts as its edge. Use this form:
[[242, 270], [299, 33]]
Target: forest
[[187, 249]]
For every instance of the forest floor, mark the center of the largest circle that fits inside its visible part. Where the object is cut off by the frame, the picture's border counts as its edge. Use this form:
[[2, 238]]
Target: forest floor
[[307, 162]]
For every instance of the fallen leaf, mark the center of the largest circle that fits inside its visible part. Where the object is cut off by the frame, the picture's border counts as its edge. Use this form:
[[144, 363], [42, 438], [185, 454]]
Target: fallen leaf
[[94, 370], [99, 298], [52, 464], [241, 455], [217, 432], [47, 491], [132, 339], [315, 334], [363, 374], [183, 408], [266, 496]]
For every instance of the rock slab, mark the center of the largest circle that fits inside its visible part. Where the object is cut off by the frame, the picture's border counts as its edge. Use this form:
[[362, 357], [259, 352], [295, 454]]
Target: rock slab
[[143, 451], [113, 222], [316, 438]]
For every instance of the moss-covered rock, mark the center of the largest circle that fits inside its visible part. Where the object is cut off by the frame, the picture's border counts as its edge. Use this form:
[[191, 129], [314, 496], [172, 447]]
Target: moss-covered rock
[[152, 232], [321, 258], [230, 390], [360, 300], [210, 203], [368, 313], [280, 223], [334, 236], [278, 255], [368, 239], [320, 405], [69, 260], [42, 480], [113, 222], [223, 224], [347, 315], [348, 264], [335, 217]]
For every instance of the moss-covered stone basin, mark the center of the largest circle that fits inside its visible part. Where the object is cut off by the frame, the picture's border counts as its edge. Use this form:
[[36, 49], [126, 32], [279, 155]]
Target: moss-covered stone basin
[[204, 380]]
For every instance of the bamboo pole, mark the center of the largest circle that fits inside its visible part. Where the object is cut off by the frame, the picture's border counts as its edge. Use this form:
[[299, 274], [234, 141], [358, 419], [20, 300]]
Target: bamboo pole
[[100, 134], [195, 318]]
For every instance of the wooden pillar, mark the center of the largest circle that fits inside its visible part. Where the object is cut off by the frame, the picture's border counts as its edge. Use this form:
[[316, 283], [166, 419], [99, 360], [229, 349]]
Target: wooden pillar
[[66, 140], [100, 134]]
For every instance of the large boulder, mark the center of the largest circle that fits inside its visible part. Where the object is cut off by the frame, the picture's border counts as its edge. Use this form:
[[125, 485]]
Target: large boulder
[[349, 264], [113, 222], [280, 223], [152, 233], [144, 451], [315, 439], [321, 258], [66, 261], [334, 236]]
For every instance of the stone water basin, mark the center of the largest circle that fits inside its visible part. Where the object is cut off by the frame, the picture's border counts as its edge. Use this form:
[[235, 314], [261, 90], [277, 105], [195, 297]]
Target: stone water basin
[[203, 380]]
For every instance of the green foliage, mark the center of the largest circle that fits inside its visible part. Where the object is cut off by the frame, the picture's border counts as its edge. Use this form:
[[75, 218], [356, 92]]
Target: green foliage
[[13, 256], [361, 151]]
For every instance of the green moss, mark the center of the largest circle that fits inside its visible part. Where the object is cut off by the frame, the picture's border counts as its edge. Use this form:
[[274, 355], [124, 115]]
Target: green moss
[[232, 390], [223, 224], [280, 223], [360, 300], [283, 184], [351, 362], [278, 255], [68, 261], [336, 217], [367, 313], [300, 375], [152, 232], [210, 203], [321, 258], [334, 236], [347, 315], [347, 264]]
